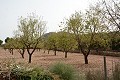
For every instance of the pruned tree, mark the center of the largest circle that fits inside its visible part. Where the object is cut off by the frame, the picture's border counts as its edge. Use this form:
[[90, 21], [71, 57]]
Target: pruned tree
[[47, 45], [19, 46], [31, 30], [10, 45], [66, 42], [85, 28], [52, 42]]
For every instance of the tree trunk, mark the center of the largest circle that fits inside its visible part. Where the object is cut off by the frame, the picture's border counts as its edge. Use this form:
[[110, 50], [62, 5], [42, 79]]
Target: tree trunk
[[55, 53], [65, 54], [30, 54], [48, 51], [9, 50], [86, 59], [22, 56], [12, 51], [44, 51], [23, 52], [30, 58], [39, 49]]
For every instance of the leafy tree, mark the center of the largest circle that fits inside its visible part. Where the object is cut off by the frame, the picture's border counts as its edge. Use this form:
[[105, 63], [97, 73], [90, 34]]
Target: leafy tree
[[115, 42], [6, 40], [40, 45], [1, 42], [52, 42], [19, 46], [30, 31], [10, 45], [101, 42], [66, 42], [85, 28], [47, 45]]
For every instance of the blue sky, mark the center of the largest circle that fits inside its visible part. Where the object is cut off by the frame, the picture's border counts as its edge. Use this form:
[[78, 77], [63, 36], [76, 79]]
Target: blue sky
[[52, 11]]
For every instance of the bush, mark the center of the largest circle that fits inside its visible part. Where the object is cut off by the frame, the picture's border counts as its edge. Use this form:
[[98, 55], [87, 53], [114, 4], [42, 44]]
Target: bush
[[65, 71], [21, 73]]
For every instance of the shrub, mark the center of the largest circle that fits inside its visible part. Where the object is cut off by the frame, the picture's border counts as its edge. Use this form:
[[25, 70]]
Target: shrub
[[65, 71], [22, 73]]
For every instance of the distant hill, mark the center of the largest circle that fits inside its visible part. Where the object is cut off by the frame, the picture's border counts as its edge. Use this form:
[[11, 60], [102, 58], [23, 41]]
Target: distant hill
[[48, 34]]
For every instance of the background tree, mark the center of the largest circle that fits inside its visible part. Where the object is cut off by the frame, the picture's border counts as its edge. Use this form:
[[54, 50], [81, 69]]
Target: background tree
[[52, 42], [85, 28], [40, 45], [66, 42], [19, 46], [47, 45], [101, 42], [115, 42], [1, 42], [10, 44], [31, 30], [7, 39]]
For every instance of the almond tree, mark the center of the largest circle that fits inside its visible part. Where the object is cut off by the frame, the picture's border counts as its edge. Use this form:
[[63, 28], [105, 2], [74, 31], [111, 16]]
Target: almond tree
[[30, 31], [66, 42], [19, 46], [85, 28], [52, 42], [10, 45]]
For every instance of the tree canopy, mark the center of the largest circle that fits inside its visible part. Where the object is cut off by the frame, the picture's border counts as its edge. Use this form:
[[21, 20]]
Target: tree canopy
[[30, 31]]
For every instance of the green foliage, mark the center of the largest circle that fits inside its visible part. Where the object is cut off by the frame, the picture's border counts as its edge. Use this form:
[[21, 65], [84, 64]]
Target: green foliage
[[18, 44], [24, 73], [9, 43], [1, 42], [52, 41], [115, 40], [65, 71], [85, 28], [30, 32], [7, 39], [31, 29], [99, 43], [66, 42]]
